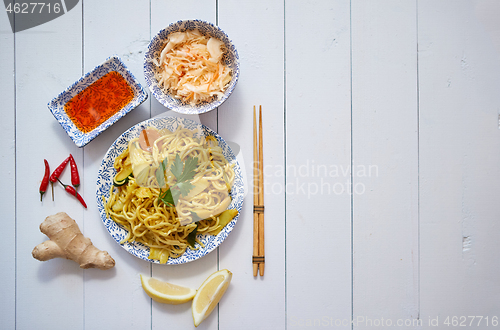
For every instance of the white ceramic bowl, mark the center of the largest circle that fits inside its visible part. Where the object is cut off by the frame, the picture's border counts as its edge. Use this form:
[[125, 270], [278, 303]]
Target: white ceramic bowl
[[56, 105], [157, 44]]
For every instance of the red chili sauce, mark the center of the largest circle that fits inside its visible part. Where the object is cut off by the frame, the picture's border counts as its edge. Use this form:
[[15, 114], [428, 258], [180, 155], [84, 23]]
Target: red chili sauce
[[99, 101]]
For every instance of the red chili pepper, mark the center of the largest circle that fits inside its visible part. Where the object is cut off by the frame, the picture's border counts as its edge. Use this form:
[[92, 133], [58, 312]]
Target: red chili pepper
[[73, 192], [45, 180], [57, 172], [75, 178]]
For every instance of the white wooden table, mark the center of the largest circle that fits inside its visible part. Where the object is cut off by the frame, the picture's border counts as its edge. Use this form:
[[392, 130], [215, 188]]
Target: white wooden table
[[404, 93]]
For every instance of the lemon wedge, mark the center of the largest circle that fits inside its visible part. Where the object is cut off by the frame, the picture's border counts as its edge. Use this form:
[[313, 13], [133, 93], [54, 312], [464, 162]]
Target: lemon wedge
[[166, 293], [209, 294]]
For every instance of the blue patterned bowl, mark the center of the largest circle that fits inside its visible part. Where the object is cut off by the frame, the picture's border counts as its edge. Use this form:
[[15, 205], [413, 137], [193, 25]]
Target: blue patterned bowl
[[56, 106], [107, 172], [157, 44]]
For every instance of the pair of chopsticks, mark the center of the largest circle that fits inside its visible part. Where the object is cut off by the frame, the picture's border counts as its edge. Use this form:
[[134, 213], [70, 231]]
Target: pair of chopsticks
[[258, 259]]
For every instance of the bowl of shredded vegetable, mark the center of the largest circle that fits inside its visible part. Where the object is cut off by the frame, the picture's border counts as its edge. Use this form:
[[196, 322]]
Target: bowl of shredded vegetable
[[191, 66]]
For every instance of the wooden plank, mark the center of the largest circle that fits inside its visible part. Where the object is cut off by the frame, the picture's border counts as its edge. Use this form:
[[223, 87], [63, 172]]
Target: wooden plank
[[318, 150], [48, 59], [385, 159], [194, 273], [459, 160], [261, 83], [127, 34], [8, 170]]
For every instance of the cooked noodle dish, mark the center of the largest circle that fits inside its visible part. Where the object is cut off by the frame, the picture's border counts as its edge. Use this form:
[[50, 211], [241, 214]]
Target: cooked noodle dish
[[170, 187]]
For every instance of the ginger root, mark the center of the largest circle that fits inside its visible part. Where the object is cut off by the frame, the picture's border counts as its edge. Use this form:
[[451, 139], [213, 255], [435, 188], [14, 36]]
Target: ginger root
[[67, 241]]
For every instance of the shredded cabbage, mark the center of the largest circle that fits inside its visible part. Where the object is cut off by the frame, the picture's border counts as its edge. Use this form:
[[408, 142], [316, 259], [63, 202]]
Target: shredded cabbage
[[190, 67]]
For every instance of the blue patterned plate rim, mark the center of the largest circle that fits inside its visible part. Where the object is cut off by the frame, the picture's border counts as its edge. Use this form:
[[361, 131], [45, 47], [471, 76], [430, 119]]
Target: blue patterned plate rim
[[56, 105], [107, 171]]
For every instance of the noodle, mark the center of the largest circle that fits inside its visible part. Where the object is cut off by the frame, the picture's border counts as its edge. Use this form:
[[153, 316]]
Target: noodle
[[138, 206]]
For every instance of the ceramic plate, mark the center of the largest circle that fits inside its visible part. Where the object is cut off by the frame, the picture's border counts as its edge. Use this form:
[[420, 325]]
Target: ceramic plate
[[107, 172]]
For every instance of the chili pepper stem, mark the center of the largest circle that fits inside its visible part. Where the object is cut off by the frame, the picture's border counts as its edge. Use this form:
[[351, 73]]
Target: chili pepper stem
[[52, 186], [71, 190], [64, 185]]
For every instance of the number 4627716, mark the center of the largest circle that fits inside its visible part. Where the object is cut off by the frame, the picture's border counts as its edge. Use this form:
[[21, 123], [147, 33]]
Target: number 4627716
[[33, 8], [464, 321]]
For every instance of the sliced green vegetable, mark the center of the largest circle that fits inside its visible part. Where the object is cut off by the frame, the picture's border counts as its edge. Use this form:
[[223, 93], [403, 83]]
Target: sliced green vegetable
[[225, 218], [122, 177]]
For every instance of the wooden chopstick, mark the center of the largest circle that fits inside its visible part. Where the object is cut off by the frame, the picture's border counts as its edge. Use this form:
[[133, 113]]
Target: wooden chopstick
[[255, 196], [261, 196], [258, 259]]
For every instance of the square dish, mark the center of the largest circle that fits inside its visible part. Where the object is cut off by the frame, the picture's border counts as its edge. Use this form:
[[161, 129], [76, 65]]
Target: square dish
[[80, 135]]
